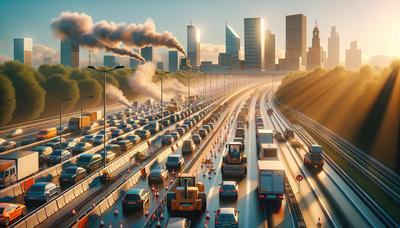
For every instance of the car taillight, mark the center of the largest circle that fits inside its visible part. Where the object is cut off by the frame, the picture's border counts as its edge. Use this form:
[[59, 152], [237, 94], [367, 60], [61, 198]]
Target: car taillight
[[221, 190], [236, 222], [234, 190], [216, 222], [262, 196]]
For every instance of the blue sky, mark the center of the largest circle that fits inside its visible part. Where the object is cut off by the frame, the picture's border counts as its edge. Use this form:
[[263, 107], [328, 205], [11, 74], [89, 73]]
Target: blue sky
[[375, 24]]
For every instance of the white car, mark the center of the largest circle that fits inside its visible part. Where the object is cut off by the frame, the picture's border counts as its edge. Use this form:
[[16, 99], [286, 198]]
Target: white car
[[15, 133]]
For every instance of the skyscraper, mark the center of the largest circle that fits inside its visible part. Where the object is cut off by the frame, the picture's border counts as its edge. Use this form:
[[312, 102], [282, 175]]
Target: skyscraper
[[69, 53], [315, 54], [296, 41], [269, 49], [148, 53], [23, 50], [254, 43], [353, 56], [173, 61], [232, 47], [133, 63], [333, 48], [110, 61], [193, 45]]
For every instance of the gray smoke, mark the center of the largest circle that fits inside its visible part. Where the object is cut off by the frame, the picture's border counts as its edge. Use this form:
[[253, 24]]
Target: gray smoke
[[79, 27], [115, 94], [142, 82]]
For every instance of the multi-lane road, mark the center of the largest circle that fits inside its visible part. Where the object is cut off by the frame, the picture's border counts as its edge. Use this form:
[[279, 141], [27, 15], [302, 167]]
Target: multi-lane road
[[323, 198]]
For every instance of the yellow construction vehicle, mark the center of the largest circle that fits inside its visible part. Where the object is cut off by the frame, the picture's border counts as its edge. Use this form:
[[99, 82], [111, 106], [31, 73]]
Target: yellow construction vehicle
[[188, 195]]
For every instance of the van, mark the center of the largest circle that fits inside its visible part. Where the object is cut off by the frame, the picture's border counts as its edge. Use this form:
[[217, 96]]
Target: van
[[46, 133], [125, 145], [91, 162], [188, 146]]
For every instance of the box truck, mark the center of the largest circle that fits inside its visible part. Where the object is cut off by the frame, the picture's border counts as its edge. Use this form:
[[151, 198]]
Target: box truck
[[17, 165], [78, 123], [271, 179], [94, 116]]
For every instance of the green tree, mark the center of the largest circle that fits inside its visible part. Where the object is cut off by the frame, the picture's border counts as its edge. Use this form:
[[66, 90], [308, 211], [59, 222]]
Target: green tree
[[7, 100], [91, 87], [29, 95], [49, 70], [78, 74], [58, 88]]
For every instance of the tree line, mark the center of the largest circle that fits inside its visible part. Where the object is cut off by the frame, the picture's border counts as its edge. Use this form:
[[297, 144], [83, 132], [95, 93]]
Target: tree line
[[27, 93]]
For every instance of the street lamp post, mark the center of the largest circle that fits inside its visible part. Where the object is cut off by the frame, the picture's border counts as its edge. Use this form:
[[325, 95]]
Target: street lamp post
[[81, 101], [104, 102], [161, 97], [60, 133]]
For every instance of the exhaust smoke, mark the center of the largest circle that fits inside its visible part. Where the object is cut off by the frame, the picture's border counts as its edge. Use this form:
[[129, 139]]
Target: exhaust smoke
[[115, 94]]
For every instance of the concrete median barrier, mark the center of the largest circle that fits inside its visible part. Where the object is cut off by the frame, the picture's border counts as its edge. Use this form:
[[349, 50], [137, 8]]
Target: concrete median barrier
[[85, 185], [69, 196], [78, 190], [21, 225], [104, 206], [41, 215], [32, 221], [60, 202], [9, 192], [51, 208], [110, 199], [17, 190]]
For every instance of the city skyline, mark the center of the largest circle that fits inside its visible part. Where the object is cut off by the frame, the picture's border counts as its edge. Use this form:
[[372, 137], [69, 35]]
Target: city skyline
[[212, 32]]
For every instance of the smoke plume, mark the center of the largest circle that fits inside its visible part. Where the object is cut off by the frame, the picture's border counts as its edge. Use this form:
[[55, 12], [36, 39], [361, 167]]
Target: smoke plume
[[115, 94], [142, 82], [79, 27]]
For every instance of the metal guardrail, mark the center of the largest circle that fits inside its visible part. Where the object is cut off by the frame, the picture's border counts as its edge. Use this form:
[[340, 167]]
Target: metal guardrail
[[357, 190]]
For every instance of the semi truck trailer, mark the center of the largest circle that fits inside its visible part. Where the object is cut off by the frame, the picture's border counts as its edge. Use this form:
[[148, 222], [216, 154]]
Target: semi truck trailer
[[271, 180], [17, 165]]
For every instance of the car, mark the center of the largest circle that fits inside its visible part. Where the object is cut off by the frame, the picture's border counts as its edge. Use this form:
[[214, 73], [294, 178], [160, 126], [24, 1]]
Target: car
[[203, 133], [177, 222], [58, 156], [68, 145], [82, 147], [133, 138], [196, 139], [109, 155], [181, 130], [279, 137], [211, 125], [114, 122], [143, 122], [175, 161], [91, 162], [135, 198], [15, 133], [143, 134], [8, 146], [226, 217], [186, 127], [207, 127], [115, 148], [99, 139], [167, 140], [28, 141], [2, 141], [118, 139], [239, 139], [42, 192], [44, 152], [125, 145], [117, 132], [157, 175], [175, 135], [188, 147], [88, 138], [108, 133], [88, 130], [10, 212], [128, 128], [189, 123], [228, 189], [62, 130], [166, 123], [72, 175]]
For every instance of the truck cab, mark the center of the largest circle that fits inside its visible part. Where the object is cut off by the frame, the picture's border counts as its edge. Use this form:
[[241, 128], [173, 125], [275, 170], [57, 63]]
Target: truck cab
[[314, 156], [268, 151], [239, 133], [7, 173]]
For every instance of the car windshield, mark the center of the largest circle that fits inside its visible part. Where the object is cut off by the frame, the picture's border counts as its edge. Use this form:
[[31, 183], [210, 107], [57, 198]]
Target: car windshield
[[84, 159], [1, 210], [81, 144], [173, 158], [316, 149], [226, 218], [228, 186], [42, 132], [57, 152], [132, 197], [156, 172], [37, 188]]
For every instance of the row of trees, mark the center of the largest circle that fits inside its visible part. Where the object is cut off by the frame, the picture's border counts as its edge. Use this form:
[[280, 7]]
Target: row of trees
[[27, 93], [362, 106]]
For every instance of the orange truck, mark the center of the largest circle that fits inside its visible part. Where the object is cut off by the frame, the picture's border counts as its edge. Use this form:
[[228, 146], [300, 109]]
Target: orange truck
[[77, 123], [94, 116], [46, 133]]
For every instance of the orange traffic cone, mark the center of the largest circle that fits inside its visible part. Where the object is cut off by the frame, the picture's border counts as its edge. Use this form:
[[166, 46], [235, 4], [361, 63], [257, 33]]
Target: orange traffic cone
[[146, 213], [116, 212], [121, 225], [158, 223], [102, 223], [162, 215], [319, 224], [208, 215], [73, 212]]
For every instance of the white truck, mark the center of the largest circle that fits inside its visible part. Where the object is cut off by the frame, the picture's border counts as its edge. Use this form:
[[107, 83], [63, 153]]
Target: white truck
[[268, 151], [17, 165], [265, 136], [271, 180]]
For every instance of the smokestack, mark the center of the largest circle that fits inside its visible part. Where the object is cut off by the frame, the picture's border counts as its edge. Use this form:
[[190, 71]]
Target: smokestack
[[79, 28]]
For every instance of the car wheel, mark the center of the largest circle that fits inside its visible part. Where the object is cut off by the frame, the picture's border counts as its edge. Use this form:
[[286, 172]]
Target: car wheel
[[7, 222]]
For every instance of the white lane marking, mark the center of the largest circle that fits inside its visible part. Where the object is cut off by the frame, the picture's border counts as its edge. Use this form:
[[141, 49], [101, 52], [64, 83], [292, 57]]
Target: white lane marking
[[248, 180]]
